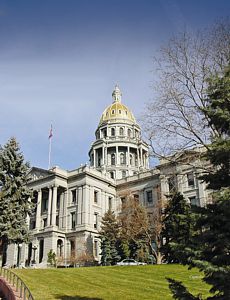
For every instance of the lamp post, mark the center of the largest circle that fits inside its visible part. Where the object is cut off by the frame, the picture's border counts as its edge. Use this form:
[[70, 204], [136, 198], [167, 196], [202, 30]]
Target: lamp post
[[19, 255], [34, 248]]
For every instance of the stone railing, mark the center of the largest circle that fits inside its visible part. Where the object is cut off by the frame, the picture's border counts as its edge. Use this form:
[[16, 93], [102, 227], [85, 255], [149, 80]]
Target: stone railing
[[13, 287]]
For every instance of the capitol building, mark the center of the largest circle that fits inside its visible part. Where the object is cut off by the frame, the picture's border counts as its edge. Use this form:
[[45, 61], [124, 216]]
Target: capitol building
[[71, 204]]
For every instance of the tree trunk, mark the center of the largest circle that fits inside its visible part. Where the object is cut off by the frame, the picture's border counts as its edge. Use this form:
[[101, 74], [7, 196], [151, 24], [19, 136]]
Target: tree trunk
[[159, 259]]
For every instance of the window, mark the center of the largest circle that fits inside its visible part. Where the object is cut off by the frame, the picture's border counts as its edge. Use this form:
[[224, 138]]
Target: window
[[119, 111], [129, 132], [44, 222], [104, 133], [32, 224], [73, 219], [121, 131], [57, 220], [112, 131], [44, 205], [149, 196], [95, 196], [110, 203], [136, 197], [122, 159], [95, 248], [112, 175], [131, 159], [136, 160], [74, 198], [113, 159], [113, 112], [95, 221], [123, 174], [172, 184], [58, 200], [190, 179], [194, 201]]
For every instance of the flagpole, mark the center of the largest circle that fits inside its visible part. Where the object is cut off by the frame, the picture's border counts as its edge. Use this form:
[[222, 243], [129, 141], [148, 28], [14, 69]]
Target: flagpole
[[50, 143]]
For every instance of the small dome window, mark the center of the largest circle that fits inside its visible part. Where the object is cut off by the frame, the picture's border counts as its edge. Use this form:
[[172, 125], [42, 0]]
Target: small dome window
[[107, 114], [119, 111], [112, 131], [126, 112], [121, 131], [113, 112]]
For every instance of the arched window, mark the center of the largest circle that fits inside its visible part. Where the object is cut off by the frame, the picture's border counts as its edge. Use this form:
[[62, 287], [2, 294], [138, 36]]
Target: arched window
[[136, 160], [113, 159], [121, 131], [129, 132], [122, 159], [123, 174], [112, 131], [104, 133]]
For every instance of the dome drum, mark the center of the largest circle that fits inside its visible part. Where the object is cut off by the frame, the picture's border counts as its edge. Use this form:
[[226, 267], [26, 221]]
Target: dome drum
[[118, 150]]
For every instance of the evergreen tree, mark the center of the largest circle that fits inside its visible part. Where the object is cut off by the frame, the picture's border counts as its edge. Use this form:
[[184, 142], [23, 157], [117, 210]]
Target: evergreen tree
[[178, 227], [211, 247], [218, 112], [14, 196], [109, 235]]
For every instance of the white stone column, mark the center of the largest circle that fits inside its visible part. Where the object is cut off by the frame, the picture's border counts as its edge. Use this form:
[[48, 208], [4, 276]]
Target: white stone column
[[138, 158], [128, 154], [54, 206], [39, 207], [61, 211], [103, 155], [49, 206], [116, 155], [94, 158], [65, 203], [106, 156], [84, 205], [141, 156], [79, 214]]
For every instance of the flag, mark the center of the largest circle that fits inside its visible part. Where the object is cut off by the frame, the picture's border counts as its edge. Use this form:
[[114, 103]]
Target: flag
[[51, 132]]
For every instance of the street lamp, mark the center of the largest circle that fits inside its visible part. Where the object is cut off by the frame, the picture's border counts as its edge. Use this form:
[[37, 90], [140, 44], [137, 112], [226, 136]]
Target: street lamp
[[19, 255]]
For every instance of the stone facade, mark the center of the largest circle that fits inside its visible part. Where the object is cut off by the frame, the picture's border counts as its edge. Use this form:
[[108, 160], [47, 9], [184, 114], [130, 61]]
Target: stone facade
[[70, 204]]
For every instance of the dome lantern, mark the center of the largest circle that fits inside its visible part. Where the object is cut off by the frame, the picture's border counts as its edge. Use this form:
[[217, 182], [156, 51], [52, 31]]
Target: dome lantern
[[117, 94]]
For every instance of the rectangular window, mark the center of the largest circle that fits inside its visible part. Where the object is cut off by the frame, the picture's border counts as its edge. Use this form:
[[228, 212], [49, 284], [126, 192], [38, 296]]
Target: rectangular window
[[149, 196], [95, 221], [57, 220], [32, 224], [73, 219], [110, 203], [58, 200], [95, 196], [191, 179], [95, 250], [74, 198], [194, 201], [44, 222], [172, 184]]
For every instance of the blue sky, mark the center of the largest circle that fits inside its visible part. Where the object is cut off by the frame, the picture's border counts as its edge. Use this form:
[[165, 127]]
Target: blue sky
[[60, 60]]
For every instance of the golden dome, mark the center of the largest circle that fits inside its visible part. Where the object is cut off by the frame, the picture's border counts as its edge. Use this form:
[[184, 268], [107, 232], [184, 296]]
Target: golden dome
[[117, 111]]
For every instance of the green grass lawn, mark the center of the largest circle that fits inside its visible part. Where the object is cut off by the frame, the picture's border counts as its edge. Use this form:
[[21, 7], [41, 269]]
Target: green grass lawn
[[118, 283]]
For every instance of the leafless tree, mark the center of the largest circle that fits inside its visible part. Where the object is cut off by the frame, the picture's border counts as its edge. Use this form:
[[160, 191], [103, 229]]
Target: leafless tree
[[174, 120], [139, 224]]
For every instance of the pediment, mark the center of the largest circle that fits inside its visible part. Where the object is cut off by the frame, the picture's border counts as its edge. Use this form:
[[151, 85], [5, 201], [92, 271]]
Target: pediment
[[38, 173]]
